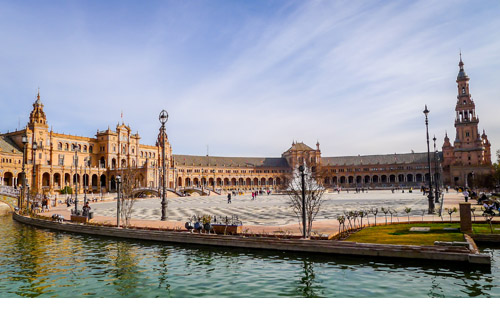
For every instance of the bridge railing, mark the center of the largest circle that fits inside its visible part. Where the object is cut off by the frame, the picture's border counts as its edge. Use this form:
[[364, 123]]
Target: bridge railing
[[156, 190], [9, 191]]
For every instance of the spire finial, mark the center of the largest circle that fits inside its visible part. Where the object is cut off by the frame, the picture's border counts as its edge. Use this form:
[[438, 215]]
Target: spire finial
[[38, 95]]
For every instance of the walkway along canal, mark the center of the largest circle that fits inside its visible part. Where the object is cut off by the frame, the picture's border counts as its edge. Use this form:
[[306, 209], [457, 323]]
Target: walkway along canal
[[465, 255]]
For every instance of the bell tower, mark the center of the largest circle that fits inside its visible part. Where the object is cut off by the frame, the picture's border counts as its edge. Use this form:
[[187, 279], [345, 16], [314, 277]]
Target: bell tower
[[471, 151]]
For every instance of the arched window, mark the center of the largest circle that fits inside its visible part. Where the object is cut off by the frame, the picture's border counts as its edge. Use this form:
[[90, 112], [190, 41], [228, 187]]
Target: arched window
[[66, 147], [91, 149], [59, 146], [84, 148], [142, 154]]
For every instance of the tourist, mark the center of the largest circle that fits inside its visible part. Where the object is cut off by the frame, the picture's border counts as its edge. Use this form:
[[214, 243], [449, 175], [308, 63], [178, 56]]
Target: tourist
[[86, 209], [466, 195], [229, 198]]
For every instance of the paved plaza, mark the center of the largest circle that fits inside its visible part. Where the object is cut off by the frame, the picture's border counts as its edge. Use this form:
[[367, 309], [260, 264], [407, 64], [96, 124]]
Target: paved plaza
[[268, 210]]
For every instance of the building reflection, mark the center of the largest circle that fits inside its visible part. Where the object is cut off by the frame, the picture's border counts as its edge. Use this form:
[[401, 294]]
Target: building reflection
[[126, 271]]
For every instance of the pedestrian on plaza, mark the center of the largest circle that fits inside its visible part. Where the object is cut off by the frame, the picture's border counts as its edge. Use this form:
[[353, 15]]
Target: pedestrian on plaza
[[466, 195], [229, 198], [253, 195]]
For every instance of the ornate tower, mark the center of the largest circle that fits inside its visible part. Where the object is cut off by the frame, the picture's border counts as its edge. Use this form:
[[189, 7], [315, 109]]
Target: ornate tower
[[37, 116], [470, 153]]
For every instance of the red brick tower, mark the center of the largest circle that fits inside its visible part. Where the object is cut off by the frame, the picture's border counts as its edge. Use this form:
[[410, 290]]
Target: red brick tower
[[470, 153]]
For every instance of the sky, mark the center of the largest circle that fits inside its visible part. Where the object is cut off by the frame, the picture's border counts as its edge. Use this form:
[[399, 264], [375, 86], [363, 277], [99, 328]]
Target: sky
[[246, 78]]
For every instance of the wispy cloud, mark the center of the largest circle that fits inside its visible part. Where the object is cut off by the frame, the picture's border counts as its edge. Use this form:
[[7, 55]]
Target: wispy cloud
[[249, 80]]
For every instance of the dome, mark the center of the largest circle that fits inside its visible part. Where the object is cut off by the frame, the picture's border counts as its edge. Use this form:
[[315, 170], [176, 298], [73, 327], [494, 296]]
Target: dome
[[462, 74]]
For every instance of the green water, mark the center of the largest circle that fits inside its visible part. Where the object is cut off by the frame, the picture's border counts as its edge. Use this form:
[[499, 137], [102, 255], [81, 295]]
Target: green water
[[41, 263]]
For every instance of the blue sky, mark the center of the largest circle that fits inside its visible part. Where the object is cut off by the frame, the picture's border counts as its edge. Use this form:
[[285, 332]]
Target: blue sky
[[248, 77]]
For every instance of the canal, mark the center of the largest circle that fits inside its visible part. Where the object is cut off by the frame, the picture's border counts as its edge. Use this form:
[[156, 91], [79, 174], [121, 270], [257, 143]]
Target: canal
[[42, 263]]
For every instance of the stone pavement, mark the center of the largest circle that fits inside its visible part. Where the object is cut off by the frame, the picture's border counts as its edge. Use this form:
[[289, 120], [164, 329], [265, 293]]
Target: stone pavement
[[268, 210], [264, 215]]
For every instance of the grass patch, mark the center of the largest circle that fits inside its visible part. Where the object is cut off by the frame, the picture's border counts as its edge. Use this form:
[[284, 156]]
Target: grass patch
[[485, 228], [399, 234]]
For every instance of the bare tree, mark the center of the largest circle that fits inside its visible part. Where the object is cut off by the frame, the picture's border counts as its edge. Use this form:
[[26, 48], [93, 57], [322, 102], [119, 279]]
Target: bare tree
[[314, 190], [129, 182]]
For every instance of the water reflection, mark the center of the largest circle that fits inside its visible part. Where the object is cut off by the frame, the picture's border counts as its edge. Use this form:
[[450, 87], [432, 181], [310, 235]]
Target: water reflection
[[162, 268], [41, 263], [125, 272], [307, 284], [436, 289]]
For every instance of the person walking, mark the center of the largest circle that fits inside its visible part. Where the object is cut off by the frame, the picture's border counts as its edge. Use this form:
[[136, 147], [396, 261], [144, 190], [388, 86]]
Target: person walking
[[466, 195], [229, 198]]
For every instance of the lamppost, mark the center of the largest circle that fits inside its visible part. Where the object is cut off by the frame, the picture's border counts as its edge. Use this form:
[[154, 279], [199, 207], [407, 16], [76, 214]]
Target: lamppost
[[301, 170], [28, 197], [431, 196], [202, 182], [85, 184], [33, 183], [118, 182], [473, 183], [75, 148], [24, 140], [436, 173], [176, 177], [163, 119]]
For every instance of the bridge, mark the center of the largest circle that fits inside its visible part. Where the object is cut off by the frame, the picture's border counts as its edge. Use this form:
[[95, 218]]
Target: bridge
[[201, 191], [142, 190], [178, 191], [9, 196]]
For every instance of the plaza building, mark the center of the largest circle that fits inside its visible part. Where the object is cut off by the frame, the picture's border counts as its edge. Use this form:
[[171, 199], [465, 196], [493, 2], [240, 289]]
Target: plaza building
[[54, 160]]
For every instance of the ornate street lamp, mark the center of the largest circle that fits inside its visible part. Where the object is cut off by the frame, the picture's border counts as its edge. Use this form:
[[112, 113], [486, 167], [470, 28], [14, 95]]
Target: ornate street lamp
[[28, 197], [75, 148], [85, 184], [473, 183], [163, 119], [33, 183], [118, 183], [24, 140], [301, 170], [431, 196], [436, 172]]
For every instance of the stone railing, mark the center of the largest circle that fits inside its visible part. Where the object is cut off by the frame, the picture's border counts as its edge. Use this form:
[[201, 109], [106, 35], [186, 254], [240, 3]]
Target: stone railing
[[9, 191]]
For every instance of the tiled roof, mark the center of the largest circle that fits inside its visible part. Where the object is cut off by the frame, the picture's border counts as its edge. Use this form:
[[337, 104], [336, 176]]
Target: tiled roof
[[300, 147], [403, 158], [7, 145], [205, 161]]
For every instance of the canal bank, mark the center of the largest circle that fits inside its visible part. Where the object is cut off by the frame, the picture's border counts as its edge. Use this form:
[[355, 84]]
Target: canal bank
[[5, 210], [465, 255]]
